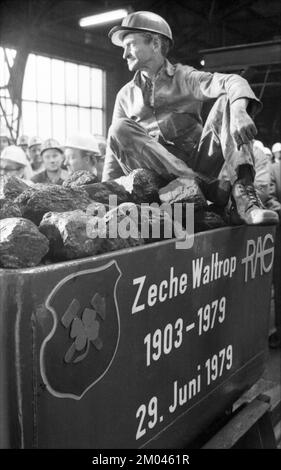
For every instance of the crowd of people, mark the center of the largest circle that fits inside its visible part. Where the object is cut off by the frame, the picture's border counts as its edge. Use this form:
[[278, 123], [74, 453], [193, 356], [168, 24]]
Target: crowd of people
[[48, 161]]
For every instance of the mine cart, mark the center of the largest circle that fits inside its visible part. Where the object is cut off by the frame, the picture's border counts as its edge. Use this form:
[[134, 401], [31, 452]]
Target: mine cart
[[140, 348]]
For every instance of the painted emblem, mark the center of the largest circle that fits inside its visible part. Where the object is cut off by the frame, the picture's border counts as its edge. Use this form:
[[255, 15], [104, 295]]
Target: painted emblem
[[84, 338]]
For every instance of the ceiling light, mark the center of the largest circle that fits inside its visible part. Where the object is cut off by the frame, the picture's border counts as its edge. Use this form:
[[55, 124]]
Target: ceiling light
[[106, 17]]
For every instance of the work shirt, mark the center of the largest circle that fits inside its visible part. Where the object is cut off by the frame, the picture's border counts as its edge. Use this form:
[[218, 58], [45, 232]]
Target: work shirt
[[43, 178], [169, 107]]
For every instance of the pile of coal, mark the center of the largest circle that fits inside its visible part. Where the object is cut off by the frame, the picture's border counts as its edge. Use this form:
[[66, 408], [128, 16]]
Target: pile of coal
[[79, 178], [83, 218], [34, 203], [74, 234], [21, 243], [143, 185]]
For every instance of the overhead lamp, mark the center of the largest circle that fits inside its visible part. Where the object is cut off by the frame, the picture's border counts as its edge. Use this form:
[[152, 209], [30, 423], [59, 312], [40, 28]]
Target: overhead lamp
[[101, 18]]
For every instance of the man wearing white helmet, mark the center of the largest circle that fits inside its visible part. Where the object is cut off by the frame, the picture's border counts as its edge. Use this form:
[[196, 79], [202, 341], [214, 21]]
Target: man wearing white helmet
[[269, 154], [34, 149], [276, 150], [157, 119], [81, 153], [13, 162], [52, 155], [22, 142]]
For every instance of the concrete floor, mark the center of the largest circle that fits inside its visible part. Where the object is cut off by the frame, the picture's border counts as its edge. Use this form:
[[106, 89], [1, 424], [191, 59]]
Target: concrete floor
[[269, 384]]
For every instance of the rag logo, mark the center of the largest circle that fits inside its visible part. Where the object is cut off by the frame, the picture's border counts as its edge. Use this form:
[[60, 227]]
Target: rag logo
[[84, 338], [259, 256]]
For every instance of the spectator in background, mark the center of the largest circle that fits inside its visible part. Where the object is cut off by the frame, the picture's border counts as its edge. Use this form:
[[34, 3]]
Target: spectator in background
[[81, 153], [52, 155], [269, 154], [34, 149], [276, 151], [22, 142], [274, 203], [14, 162], [4, 138]]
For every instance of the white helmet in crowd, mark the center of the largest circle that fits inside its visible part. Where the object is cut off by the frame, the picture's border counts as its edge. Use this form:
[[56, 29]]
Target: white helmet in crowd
[[34, 141], [22, 140], [85, 142], [51, 144], [258, 144], [276, 147], [267, 151], [15, 154]]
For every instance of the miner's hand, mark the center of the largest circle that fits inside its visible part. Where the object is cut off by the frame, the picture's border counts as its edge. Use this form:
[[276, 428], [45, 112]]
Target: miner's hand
[[242, 127]]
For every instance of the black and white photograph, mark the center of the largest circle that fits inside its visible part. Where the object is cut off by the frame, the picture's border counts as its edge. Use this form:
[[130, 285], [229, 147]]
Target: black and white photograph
[[140, 230]]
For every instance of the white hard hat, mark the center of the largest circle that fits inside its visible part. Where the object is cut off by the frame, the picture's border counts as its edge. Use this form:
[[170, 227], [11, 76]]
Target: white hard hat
[[258, 144], [276, 147], [83, 142], [34, 141], [51, 144], [14, 154], [267, 151], [22, 140]]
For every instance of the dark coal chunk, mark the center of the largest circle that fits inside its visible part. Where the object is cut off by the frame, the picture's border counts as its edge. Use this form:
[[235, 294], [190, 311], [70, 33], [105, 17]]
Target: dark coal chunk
[[223, 212], [34, 203], [21, 243], [67, 233], [8, 208], [11, 187], [206, 220], [183, 190], [143, 185], [123, 222], [108, 192], [75, 235], [80, 178], [153, 223]]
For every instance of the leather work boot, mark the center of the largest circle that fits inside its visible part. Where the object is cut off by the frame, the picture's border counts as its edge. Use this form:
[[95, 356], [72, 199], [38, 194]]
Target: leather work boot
[[216, 191], [249, 208]]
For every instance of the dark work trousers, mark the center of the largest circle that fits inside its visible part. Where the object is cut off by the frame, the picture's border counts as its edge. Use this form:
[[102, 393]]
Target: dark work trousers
[[134, 148]]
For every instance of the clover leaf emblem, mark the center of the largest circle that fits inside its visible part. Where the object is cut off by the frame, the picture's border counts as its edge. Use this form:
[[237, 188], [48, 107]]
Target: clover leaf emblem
[[85, 330]]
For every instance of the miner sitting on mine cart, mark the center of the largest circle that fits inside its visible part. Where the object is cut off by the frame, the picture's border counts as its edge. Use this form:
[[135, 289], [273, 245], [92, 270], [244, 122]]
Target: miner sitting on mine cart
[[157, 122]]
